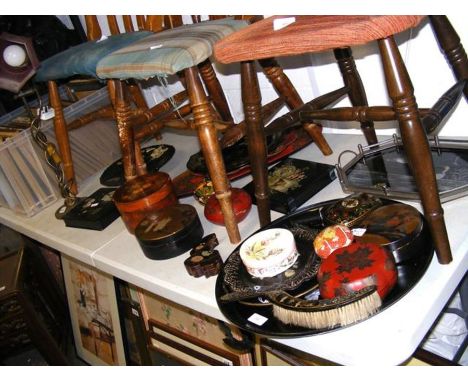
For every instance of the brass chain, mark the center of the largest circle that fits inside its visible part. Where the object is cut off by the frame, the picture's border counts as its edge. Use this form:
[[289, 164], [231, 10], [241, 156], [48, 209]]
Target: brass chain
[[52, 158]]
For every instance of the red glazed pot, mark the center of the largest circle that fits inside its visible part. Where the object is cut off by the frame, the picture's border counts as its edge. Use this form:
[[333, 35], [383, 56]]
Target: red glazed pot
[[354, 267], [143, 195], [241, 203]]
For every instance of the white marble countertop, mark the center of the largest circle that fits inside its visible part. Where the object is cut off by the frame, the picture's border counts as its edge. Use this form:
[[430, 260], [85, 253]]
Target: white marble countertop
[[388, 338]]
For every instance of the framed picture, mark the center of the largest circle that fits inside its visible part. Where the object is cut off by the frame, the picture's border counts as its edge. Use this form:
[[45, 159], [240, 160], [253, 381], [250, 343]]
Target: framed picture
[[183, 349], [94, 314]]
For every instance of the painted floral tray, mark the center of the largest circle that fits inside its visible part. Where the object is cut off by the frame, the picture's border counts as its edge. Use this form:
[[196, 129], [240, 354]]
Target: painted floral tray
[[305, 224]]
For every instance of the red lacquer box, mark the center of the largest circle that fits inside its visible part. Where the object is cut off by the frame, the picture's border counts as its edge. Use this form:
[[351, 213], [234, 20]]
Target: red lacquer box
[[143, 195], [354, 267]]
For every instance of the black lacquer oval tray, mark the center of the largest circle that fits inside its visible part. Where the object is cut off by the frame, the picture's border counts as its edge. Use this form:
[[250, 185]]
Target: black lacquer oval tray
[[235, 156], [155, 157], [304, 224]]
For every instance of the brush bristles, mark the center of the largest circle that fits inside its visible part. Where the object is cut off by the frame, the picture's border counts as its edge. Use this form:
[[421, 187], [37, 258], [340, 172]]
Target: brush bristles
[[329, 318]]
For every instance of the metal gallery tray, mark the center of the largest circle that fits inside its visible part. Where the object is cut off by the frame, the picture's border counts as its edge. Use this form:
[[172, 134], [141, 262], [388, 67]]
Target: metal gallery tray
[[383, 169]]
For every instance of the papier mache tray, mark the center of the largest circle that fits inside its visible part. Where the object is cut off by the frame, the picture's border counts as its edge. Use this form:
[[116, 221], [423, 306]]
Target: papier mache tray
[[253, 312]]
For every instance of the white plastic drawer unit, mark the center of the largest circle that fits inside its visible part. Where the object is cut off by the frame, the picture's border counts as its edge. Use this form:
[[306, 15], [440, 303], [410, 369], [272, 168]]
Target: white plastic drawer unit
[[27, 183]]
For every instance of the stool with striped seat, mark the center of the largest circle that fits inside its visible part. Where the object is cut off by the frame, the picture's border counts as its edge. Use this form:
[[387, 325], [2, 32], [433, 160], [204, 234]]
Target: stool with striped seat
[[184, 49]]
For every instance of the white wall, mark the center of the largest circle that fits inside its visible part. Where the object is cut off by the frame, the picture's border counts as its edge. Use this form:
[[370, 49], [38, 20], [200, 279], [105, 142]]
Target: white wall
[[314, 75]]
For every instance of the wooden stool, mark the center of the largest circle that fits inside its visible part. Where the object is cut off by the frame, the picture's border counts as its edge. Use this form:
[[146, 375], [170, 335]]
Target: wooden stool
[[32, 312], [185, 50], [309, 34]]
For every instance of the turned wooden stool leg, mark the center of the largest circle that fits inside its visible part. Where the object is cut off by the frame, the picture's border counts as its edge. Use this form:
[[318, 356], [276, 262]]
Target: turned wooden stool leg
[[256, 141], [61, 134], [211, 150], [450, 43], [283, 86], [137, 96], [415, 143], [357, 94], [126, 135], [140, 164], [215, 90]]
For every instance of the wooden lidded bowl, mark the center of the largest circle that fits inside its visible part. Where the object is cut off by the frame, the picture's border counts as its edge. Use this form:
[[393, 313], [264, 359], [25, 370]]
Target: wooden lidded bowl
[[143, 195], [169, 232]]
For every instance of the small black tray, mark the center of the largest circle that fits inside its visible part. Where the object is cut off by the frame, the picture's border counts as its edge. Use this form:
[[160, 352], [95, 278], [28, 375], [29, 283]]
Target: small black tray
[[239, 312], [294, 181], [94, 212]]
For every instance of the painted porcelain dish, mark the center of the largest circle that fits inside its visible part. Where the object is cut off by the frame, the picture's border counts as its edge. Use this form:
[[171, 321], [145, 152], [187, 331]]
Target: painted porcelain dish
[[269, 253]]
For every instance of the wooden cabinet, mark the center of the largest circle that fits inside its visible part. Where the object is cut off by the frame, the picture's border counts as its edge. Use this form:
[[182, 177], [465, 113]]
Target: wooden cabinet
[[271, 353], [33, 312]]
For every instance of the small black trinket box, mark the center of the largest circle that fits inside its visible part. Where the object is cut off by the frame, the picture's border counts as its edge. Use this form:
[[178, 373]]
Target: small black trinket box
[[169, 232], [294, 181], [94, 212]]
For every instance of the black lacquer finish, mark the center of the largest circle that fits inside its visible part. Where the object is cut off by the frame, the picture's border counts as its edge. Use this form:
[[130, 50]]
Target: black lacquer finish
[[310, 219], [155, 157]]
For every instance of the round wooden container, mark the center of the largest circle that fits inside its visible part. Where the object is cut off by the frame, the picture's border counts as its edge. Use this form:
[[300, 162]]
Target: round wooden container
[[143, 195], [169, 232]]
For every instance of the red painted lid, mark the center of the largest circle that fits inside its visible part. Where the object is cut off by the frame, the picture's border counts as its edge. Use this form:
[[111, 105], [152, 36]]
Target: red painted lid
[[353, 267], [241, 203]]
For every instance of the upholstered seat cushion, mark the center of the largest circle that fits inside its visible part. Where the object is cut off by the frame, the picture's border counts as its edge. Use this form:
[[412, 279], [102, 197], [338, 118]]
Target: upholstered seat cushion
[[307, 34], [82, 59], [167, 52]]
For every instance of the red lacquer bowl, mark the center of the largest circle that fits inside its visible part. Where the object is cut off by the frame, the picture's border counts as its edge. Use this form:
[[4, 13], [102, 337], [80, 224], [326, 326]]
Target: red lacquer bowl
[[354, 267], [241, 202]]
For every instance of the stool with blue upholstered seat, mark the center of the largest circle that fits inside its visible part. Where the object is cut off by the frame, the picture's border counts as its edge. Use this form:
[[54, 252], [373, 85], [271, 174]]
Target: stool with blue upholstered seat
[[77, 60]]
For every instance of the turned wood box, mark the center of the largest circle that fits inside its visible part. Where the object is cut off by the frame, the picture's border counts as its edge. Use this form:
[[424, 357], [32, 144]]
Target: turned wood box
[[143, 195]]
